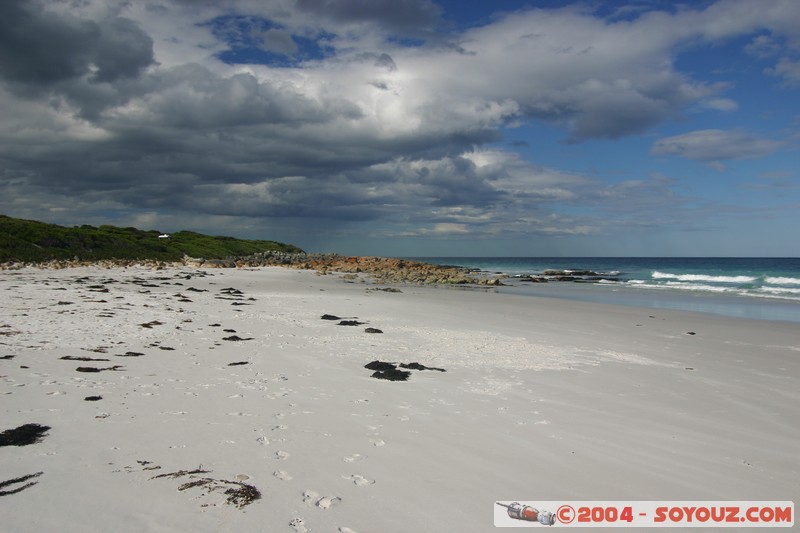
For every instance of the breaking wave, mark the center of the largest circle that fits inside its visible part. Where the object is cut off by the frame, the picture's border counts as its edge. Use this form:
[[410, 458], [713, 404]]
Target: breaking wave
[[782, 281], [705, 277]]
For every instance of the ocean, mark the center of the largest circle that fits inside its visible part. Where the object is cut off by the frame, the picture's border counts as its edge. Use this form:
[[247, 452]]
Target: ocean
[[753, 288]]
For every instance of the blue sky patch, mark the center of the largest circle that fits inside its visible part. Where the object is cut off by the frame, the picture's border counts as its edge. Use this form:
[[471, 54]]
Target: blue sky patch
[[256, 40]]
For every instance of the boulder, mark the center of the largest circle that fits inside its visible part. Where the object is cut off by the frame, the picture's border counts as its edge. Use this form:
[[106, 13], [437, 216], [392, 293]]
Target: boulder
[[219, 263]]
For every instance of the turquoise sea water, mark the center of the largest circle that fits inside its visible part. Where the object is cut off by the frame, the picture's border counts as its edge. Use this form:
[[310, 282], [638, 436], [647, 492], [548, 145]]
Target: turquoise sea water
[[758, 288]]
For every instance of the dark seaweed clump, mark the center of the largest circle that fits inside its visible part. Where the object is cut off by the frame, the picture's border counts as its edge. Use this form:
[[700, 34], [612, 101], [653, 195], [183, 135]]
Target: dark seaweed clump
[[74, 358], [95, 369], [417, 366], [239, 495], [390, 372], [380, 365], [350, 323], [23, 435], [242, 495], [387, 371], [129, 354], [392, 375]]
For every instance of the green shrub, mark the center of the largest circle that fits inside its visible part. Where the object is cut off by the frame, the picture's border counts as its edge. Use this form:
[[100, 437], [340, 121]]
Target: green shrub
[[29, 240]]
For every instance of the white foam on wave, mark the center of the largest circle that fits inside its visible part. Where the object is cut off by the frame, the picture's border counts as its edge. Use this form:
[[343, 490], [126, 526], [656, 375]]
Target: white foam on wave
[[782, 281], [678, 285], [776, 293], [700, 287], [780, 290], [775, 296], [704, 277]]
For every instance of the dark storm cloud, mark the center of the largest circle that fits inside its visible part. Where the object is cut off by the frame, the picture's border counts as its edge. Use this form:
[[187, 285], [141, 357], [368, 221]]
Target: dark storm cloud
[[191, 96], [399, 190], [41, 48], [371, 130], [613, 116], [122, 51], [201, 132]]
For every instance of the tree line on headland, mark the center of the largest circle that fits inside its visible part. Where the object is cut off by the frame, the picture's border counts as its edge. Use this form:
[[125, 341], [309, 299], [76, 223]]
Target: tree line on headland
[[27, 242], [32, 241]]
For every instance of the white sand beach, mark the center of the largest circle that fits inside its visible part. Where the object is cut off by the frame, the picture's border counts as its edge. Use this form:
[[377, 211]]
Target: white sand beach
[[541, 399]]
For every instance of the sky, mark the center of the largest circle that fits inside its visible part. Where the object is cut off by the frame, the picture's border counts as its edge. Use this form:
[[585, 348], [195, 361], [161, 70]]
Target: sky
[[411, 127]]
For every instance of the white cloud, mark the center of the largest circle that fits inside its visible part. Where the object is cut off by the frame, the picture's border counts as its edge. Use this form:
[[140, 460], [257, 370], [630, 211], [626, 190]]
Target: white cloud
[[787, 69], [446, 229], [716, 145], [280, 41], [763, 46], [720, 104]]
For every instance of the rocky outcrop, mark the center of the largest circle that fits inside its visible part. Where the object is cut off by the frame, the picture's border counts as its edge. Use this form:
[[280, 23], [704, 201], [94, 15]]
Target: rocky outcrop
[[380, 269], [59, 264], [218, 263]]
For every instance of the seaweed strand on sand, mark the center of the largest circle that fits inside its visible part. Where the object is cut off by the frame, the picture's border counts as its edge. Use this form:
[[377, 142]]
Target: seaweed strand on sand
[[14, 481]]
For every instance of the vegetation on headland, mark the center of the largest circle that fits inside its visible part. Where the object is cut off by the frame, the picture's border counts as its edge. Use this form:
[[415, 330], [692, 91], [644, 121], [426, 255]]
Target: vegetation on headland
[[32, 241], [26, 243]]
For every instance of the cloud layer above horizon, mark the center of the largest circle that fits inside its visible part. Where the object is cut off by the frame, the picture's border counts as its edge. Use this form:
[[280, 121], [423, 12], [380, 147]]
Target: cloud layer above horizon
[[373, 121]]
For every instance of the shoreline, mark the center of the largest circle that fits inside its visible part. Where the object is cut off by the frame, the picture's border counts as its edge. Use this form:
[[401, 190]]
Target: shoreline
[[724, 305], [234, 372], [582, 284], [381, 269]]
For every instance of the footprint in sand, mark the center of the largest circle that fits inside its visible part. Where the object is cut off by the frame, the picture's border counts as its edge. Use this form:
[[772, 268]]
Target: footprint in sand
[[282, 455], [346, 530], [282, 426], [298, 525], [283, 475], [359, 480], [353, 458], [325, 502], [377, 442]]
